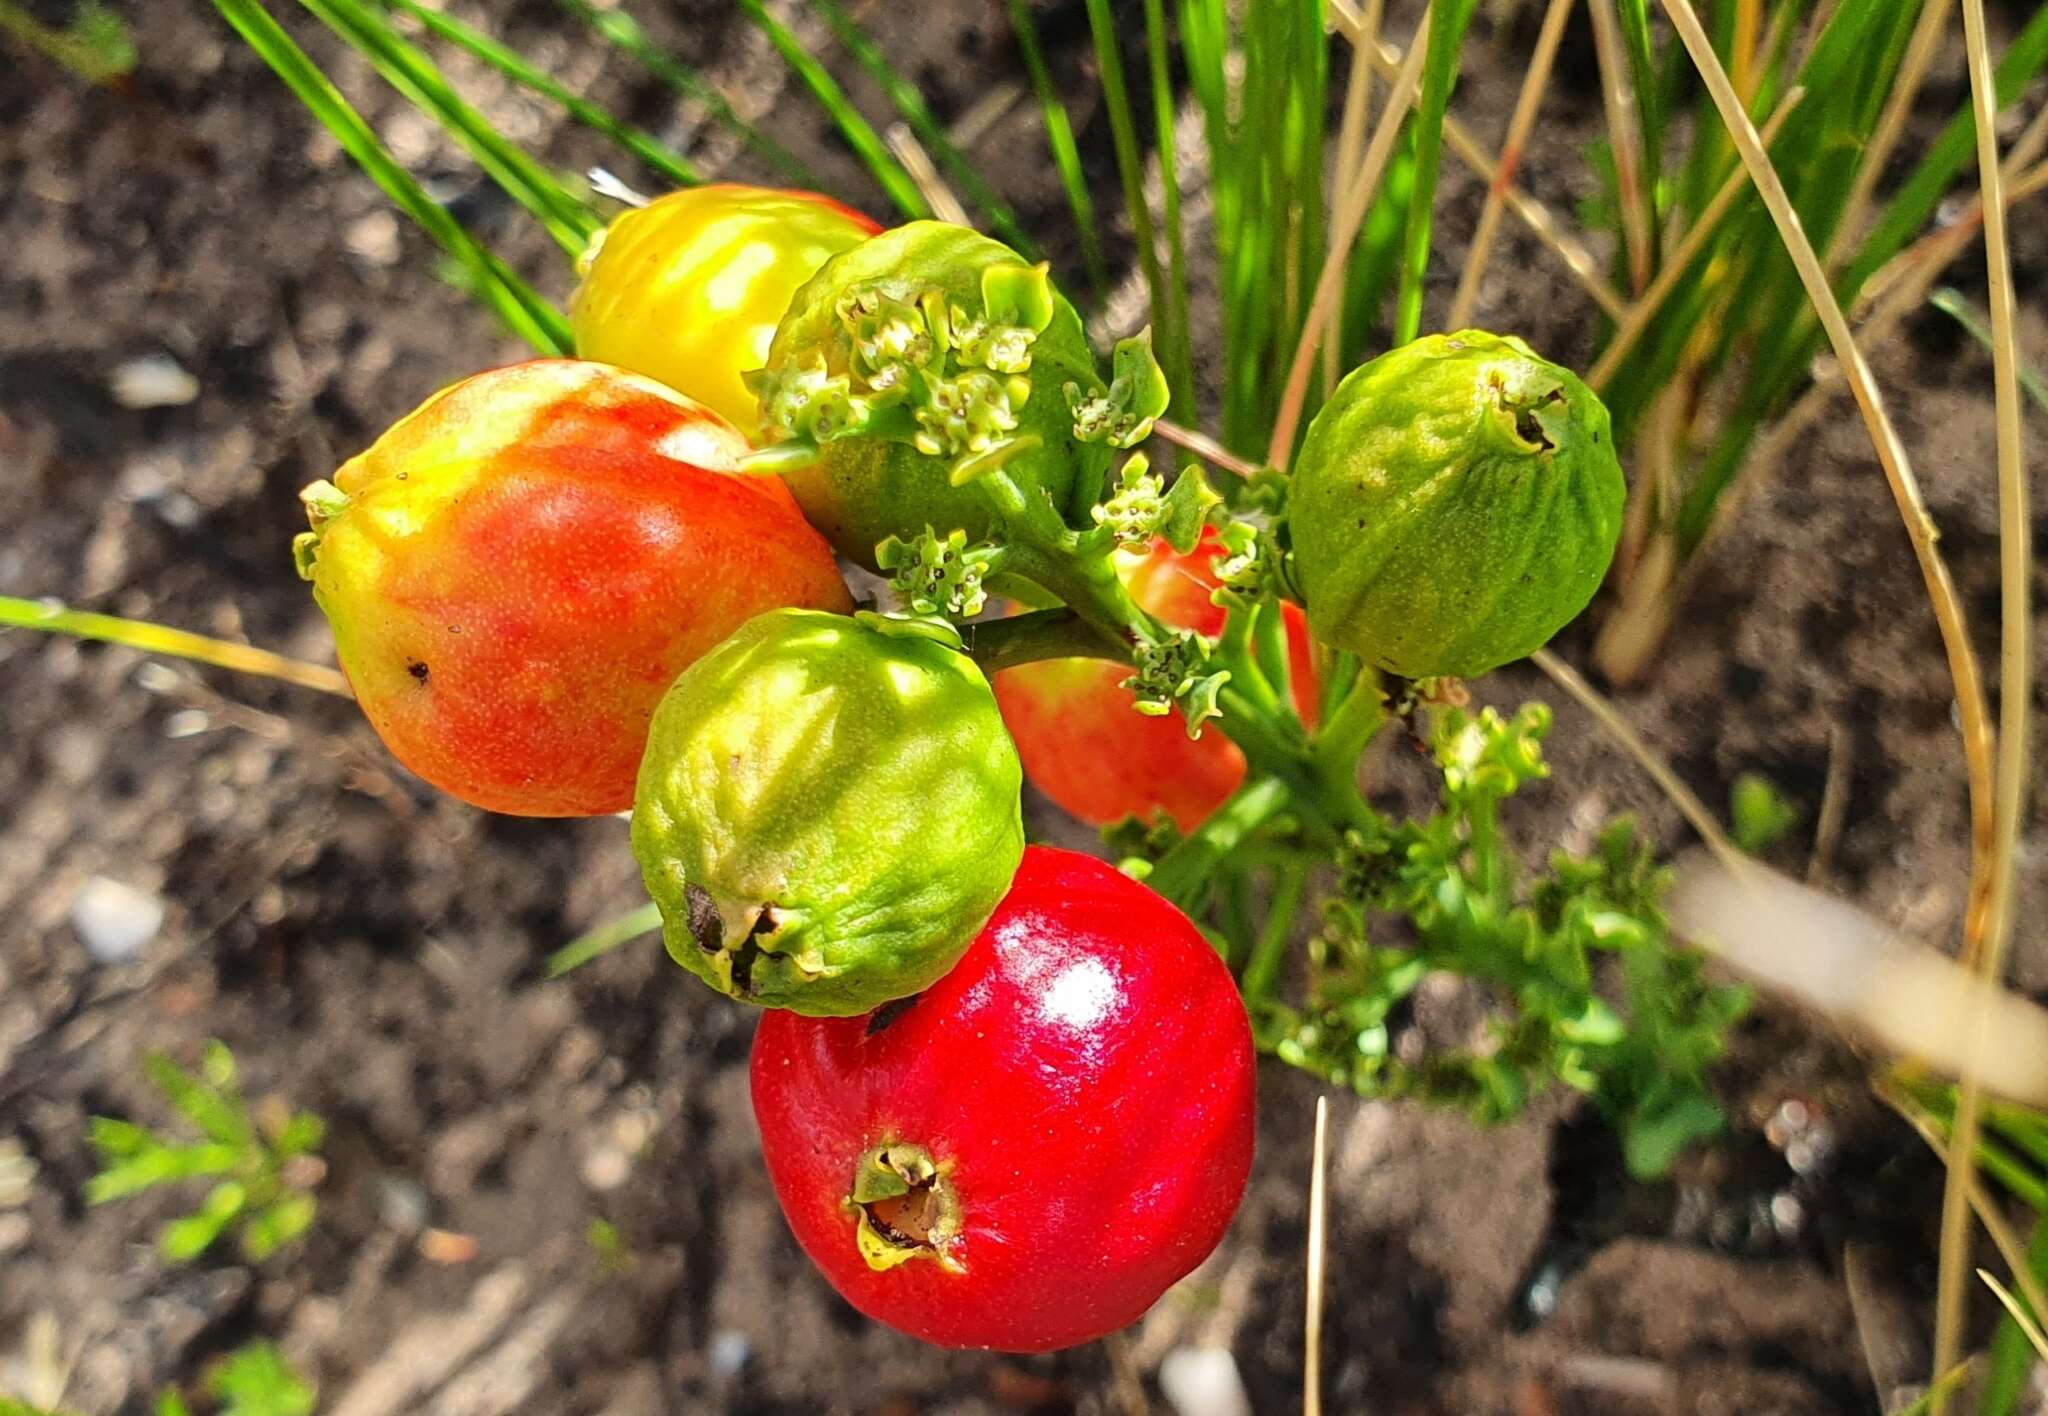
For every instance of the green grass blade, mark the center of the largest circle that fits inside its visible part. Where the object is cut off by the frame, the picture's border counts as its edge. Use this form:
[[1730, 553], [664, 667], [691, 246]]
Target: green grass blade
[[96, 45], [1944, 160], [857, 131], [1448, 19], [1951, 303], [1375, 257], [16, 613], [910, 103], [521, 308], [568, 218], [1116, 98], [603, 939], [1634, 17], [656, 155], [2012, 1353], [624, 33], [1175, 336], [1066, 154]]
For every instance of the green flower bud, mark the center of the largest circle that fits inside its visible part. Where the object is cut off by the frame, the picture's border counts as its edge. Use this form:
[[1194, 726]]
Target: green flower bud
[[1455, 504], [909, 361], [827, 811]]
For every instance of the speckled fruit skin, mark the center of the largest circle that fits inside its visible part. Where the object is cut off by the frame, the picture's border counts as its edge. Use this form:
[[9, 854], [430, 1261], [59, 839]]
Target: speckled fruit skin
[[1083, 1083], [1455, 504], [860, 491], [527, 561], [1087, 748], [827, 812], [688, 289]]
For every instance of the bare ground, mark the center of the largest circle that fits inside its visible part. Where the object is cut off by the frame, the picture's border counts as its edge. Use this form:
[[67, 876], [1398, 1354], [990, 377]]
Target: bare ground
[[370, 950]]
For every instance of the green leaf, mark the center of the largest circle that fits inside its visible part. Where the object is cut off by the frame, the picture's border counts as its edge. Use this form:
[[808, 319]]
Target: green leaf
[[159, 1164], [1759, 816], [1137, 396], [278, 1225], [301, 1134], [183, 1240], [1185, 510], [1652, 1140], [256, 1381], [118, 1140], [218, 1117]]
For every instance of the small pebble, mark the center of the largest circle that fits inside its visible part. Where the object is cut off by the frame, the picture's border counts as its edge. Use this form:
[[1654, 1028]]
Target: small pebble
[[1203, 1381], [187, 722], [115, 921], [728, 1352], [17, 1173], [153, 381], [14, 1231], [401, 1204], [606, 1168], [374, 238]]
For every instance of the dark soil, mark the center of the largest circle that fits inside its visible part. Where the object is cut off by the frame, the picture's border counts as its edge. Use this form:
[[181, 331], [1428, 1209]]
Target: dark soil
[[370, 949]]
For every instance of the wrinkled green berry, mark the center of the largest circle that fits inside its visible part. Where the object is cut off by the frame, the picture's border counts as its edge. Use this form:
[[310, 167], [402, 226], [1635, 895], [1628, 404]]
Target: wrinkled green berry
[[1455, 504], [827, 811], [905, 358]]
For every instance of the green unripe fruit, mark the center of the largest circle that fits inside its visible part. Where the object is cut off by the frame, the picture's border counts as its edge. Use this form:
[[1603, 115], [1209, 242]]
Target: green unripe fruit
[[827, 811], [954, 362], [1455, 504]]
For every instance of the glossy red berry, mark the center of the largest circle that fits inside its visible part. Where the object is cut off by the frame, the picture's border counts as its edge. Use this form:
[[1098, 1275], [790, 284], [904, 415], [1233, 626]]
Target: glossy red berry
[[1087, 748], [517, 571], [1029, 1153]]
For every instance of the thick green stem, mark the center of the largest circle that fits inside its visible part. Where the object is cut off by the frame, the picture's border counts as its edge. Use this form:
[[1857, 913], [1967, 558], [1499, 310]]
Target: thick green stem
[[1043, 550], [1262, 970], [1185, 869], [1344, 735], [998, 644]]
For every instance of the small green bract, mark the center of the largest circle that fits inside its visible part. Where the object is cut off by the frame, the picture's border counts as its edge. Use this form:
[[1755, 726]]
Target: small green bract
[[1455, 504], [827, 811]]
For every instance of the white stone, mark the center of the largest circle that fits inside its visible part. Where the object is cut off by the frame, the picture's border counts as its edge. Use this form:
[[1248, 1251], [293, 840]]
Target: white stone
[[115, 921], [1203, 1381], [153, 381]]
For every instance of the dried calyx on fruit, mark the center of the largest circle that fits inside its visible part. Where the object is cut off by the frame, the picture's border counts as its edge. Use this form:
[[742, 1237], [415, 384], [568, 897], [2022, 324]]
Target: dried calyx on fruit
[[912, 363], [1455, 504], [517, 570], [1029, 1153], [827, 811]]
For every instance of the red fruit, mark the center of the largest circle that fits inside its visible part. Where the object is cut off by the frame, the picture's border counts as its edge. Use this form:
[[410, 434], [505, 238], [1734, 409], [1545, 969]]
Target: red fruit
[[1097, 757], [517, 571], [1030, 1152]]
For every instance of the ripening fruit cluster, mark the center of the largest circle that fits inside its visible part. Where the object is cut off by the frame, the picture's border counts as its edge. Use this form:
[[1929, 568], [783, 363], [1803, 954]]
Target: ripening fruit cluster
[[1005, 1092]]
